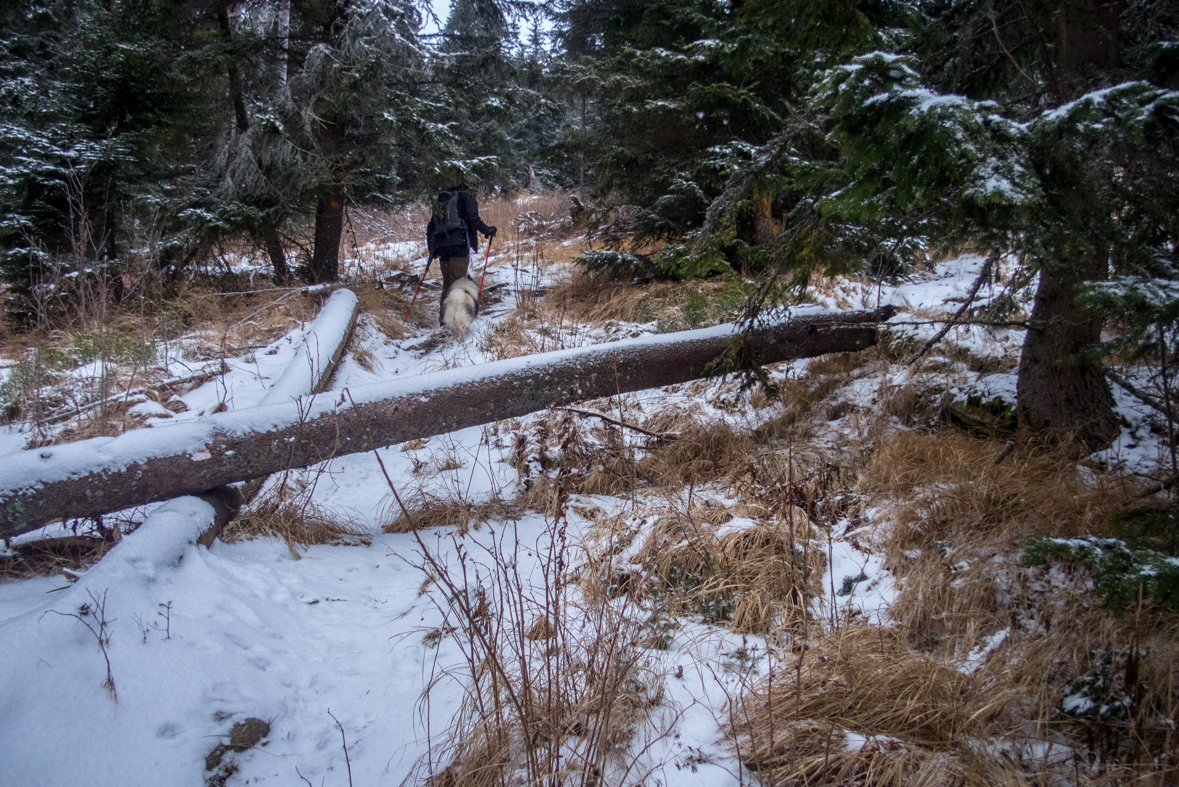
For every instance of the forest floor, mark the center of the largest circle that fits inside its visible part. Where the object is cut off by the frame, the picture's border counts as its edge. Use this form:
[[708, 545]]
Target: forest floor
[[826, 584]]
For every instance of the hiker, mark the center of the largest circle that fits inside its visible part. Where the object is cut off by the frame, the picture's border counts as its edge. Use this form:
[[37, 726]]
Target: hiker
[[450, 236]]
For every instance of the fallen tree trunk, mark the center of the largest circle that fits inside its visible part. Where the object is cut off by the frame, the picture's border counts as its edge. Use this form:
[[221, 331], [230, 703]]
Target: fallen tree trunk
[[100, 475], [316, 359], [309, 372]]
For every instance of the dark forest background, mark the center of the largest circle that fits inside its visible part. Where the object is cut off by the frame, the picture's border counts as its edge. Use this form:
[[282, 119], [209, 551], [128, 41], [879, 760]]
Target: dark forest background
[[774, 138]]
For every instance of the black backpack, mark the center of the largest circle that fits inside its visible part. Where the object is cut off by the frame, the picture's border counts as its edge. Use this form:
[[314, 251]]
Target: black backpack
[[449, 227]]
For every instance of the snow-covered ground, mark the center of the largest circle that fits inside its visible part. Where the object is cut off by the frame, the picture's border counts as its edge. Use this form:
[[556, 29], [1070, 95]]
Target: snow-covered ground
[[341, 643]]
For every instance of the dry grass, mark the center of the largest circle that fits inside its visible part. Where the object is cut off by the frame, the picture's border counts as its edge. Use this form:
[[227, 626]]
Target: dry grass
[[555, 690], [296, 521], [858, 707], [431, 511], [948, 488], [386, 307], [955, 520], [215, 324], [602, 459], [558, 316], [952, 529], [52, 555], [592, 300], [755, 577], [803, 395]]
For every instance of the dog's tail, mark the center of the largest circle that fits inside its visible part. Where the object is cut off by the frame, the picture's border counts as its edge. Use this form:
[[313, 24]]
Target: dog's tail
[[460, 306]]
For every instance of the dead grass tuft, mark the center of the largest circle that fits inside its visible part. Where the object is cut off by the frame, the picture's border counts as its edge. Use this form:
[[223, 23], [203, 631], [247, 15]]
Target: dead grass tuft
[[216, 323], [386, 307], [105, 422], [947, 488], [431, 511], [554, 690], [755, 576], [50, 556], [858, 707], [297, 522], [806, 398], [593, 300]]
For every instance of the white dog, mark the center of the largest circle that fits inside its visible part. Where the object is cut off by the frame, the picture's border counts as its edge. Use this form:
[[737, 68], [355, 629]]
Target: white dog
[[460, 306]]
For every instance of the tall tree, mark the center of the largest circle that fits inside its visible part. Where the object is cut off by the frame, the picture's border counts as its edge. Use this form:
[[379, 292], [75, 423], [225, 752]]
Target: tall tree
[[494, 96], [341, 114]]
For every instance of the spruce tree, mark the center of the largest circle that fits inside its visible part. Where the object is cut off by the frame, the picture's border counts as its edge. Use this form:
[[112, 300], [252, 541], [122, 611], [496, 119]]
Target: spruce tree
[[494, 97], [101, 104], [1069, 161], [686, 92]]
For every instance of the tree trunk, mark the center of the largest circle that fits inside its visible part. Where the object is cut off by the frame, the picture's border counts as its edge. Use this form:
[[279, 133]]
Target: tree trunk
[[235, 81], [1060, 394], [329, 228], [763, 216], [284, 36], [97, 476], [278, 256]]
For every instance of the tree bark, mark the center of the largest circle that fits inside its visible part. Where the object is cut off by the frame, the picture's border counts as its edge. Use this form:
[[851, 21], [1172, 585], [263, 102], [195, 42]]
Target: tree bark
[[97, 476], [1061, 394], [284, 36], [278, 256], [235, 80], [763, 216], [329, 228]]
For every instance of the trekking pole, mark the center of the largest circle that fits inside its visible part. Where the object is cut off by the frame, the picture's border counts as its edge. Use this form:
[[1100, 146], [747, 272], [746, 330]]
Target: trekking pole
[[417, 289], [484, 276]]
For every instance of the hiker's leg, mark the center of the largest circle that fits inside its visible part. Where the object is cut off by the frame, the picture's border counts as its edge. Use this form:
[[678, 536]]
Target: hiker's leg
[[453, 269]]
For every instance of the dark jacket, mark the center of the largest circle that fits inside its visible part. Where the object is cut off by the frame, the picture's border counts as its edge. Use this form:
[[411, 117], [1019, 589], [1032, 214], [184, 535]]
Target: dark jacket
[[468, 208]]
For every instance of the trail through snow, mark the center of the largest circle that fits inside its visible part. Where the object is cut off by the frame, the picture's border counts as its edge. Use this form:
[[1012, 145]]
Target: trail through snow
[[202, 638]]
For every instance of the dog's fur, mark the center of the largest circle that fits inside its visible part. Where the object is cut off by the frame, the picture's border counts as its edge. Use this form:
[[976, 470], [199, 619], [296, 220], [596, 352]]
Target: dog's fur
[[460, 306]]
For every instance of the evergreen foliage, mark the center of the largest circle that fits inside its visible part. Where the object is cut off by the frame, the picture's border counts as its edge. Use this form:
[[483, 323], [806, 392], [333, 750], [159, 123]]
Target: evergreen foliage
[[495, 99], [1122, 575], [1032, 129], [168, 125], [100, 103], [686, 93]]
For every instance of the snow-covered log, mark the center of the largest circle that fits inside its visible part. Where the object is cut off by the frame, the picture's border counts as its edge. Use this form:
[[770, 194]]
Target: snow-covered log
[[106, 474], [156, 546], [316, 358], [309, 371]]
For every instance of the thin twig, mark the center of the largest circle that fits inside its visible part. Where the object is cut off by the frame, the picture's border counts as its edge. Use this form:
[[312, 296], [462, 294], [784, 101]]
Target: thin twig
[[995, 27], [347, 761], [1045, 55], [101, 633], [1138, 393], [983, 275], [623, 424]]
